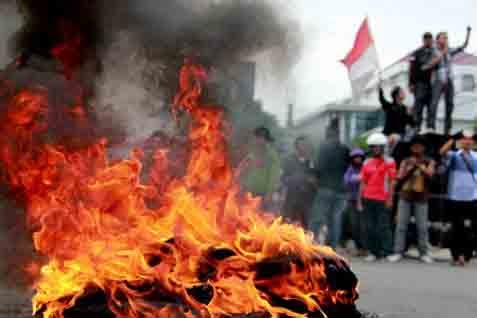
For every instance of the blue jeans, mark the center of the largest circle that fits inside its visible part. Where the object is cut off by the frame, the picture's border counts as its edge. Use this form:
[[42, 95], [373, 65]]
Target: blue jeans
[[421, 212], [438, 89], [328, 209]]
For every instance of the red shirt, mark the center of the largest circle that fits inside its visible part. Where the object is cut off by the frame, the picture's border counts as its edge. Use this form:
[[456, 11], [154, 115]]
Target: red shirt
[[377, 173]]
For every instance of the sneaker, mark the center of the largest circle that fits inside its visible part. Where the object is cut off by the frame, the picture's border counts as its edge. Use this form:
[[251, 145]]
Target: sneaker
[[427, 259], [394, 258], [370, 258]]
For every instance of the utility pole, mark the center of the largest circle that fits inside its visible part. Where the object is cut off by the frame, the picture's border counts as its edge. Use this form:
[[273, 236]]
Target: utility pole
[[290, 116]]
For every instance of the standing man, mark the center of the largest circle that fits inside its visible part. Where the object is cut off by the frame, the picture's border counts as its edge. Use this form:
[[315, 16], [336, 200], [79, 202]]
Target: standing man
[[443, 78], [330, 203], [377, 177], [299, 177], [462, 192], [420, 80], [413, 186], [260, 170]]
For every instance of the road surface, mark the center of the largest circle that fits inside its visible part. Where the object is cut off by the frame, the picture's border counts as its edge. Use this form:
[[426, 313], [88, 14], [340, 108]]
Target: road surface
[[405, 290], [411, 289]]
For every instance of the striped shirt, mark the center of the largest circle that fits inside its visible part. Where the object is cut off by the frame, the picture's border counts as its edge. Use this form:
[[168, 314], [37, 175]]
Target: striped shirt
[[443, 72]]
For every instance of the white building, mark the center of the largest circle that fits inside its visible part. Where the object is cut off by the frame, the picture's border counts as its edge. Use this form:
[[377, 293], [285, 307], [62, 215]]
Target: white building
[[465, 68], [357, 116], [347, 120]]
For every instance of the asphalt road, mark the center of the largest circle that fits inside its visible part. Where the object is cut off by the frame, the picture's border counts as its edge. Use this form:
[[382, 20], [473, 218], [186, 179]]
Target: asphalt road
[[412, 289], [405, 290]]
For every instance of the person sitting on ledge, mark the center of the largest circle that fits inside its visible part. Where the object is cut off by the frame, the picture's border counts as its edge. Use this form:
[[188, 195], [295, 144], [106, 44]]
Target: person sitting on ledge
[[398, 116]]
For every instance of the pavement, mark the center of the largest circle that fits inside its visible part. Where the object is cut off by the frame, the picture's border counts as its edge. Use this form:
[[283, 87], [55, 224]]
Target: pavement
[[14, 303], [408, 289], [412, 289]]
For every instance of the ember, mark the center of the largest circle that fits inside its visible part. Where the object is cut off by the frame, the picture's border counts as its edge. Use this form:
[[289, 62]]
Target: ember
[[200, 250]]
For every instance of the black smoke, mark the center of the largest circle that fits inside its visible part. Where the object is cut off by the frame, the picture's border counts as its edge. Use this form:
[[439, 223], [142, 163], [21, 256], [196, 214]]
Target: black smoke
[[219, 31], [46, 24]]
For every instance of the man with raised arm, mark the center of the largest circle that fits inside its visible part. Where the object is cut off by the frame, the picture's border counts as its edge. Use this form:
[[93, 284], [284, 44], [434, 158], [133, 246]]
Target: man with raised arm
[[443, 78]]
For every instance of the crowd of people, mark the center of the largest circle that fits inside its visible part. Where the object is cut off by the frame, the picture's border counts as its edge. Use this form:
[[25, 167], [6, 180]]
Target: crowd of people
[[378, 195], [379, 188]]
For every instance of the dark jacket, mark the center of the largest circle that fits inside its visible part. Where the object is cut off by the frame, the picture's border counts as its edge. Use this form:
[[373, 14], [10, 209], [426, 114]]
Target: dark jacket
[[397, 116], [332, 160], [298, 175], [420, 58]]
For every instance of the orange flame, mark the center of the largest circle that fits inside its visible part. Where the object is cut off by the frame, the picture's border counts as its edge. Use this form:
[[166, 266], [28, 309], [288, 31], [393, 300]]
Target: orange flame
[[91, 219]]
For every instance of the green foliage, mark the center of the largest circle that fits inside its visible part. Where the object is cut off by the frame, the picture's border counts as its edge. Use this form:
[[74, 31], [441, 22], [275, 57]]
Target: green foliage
[[360, 142]]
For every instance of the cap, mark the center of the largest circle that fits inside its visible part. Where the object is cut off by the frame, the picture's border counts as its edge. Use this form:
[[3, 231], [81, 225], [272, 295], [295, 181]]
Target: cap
[[377, 139], [357, 153], [467, 134], [418, 140], [264, 132]]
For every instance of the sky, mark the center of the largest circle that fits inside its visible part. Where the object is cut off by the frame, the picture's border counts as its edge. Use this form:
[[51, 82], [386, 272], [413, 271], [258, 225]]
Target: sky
[[329, 29]]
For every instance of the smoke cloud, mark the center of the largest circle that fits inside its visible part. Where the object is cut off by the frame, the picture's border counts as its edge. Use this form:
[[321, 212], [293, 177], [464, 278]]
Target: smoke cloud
[[10, 22], [220, 33], [132, 51], [142, 44]]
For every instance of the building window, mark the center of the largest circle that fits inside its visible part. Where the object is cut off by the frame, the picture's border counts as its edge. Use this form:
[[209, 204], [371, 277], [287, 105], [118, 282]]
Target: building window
[[468, 83]]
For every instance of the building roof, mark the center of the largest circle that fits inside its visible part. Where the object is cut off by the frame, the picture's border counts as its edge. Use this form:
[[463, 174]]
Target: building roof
[[334, 107], [466, 59], [463, 58]]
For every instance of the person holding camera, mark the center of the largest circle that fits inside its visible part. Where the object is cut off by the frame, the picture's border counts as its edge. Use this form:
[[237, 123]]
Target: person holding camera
[[462, 193], [413, 188]]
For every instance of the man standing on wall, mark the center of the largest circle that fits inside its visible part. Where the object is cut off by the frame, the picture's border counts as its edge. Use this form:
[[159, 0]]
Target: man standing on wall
[[443, 78], [420, 80]]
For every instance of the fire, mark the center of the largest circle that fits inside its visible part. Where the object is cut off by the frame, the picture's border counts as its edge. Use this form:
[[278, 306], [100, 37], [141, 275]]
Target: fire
[[68, 52], [201, 250]]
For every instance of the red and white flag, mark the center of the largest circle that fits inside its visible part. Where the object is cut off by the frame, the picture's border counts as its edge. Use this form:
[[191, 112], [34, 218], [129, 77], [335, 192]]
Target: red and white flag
[[362, 61]]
